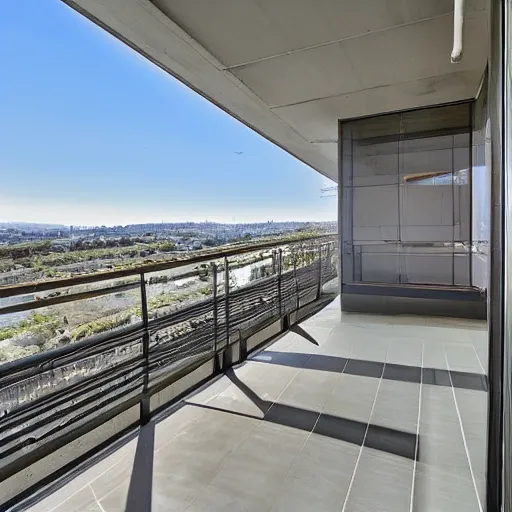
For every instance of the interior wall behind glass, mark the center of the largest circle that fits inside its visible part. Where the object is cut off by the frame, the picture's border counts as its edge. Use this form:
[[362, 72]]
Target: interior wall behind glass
[[481, 190], [407, 197]]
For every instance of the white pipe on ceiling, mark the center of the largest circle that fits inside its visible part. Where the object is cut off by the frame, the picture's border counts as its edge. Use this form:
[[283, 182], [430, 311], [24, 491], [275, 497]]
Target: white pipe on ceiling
[[458, 25]]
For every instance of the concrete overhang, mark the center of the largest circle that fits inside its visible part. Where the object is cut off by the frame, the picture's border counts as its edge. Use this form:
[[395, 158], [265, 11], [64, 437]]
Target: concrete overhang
[[290, 69]]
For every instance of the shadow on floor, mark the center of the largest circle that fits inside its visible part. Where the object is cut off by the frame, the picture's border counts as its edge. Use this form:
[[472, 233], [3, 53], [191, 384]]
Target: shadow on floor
[[375, 369], [141, 481], [297, 329], [350, 431]]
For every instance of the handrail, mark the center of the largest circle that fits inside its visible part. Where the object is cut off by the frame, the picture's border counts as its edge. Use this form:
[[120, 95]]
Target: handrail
[[205, 256], [91, 381]]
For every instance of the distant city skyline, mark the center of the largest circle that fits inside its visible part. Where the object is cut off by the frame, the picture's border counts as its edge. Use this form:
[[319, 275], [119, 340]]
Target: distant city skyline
[[29, 225], [92, 134]]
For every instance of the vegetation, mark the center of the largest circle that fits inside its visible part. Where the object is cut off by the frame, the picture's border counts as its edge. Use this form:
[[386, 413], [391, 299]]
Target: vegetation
[[117, 310], [35, 323], [109, 322], [168, 299], [48, 259], [105, 323], [25, 250]]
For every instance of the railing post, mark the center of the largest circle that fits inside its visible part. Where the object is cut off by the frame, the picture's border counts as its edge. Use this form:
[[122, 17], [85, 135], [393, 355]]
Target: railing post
[[273, 262], [215, 319], [296, 281], [319, 291], [328, 261], [144, 404], [226, 296], [279, 284]]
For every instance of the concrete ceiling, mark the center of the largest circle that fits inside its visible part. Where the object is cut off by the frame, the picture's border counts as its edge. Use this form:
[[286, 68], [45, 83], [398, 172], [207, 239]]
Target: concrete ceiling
[[291, 68]]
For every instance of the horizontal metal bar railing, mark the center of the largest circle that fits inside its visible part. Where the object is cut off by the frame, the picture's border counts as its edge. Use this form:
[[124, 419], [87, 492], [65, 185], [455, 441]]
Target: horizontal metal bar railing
[[52, 397], [206, 256], [72, 297]]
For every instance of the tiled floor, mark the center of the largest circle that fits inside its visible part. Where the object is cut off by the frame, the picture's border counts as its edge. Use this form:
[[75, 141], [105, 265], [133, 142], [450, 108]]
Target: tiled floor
[[369, 413]]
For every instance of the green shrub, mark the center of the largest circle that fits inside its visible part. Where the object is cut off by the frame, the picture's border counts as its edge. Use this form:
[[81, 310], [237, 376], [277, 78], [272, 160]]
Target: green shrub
[[35, 323]]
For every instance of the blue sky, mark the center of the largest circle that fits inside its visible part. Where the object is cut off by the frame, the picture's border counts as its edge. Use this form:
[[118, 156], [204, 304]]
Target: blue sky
[[92, 133]]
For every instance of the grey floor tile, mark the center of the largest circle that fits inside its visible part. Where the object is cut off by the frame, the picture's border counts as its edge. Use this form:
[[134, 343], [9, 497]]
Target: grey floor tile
[[438, 416], [299, 495], [206, 393], [434, 355], [341, 341], [483, 356], [405, 352], [268, 445], [114, 477], [443, 452], [121, 455], [364, 368], [172, 493], [305, 334], [213, 500], [326, 463], [438, 490], [397, 406], [310, 389], [293, 359], [436, 377], [391, 441], [266, 380], [207, 460], [327, 363], [481, 489], [352, 398], [82, 501], [247, 481], [234, 399], [471, 381], [382, 483], [185, 465], [292, 417], [477, 449], [217, 436], [56, 498], [402, 373], [462, 358], [117, 498], [472, 407], [374, 349], [342, 429]]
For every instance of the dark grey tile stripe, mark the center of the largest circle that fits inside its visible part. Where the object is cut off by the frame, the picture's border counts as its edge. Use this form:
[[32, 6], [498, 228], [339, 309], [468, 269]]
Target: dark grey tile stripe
[[375, 369], [392, 441], [364, 368], [380, 438], [436, 377]]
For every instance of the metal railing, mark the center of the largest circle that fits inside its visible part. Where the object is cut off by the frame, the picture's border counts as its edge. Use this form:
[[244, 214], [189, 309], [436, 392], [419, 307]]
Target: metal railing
[[57, 395]]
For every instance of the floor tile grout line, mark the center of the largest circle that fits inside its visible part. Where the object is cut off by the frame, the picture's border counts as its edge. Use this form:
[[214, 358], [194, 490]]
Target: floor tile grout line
[[416, 451], [463, 436], [64, 501], [365, 434], [256, 424], [88, 481], [317, 419], [96, 498], [314, 426], [221, 462], [479, 360]]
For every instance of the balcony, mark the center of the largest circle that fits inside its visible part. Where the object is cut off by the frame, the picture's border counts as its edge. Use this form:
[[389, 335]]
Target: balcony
[[85, 358], [343, 411]]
